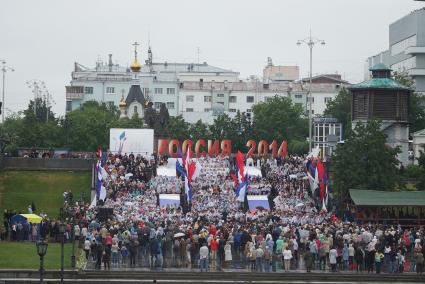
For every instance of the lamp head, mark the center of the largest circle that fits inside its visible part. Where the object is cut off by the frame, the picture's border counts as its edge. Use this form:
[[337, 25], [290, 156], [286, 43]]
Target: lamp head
[[41, 247], [62, 228], [298, 43], [323, 42]]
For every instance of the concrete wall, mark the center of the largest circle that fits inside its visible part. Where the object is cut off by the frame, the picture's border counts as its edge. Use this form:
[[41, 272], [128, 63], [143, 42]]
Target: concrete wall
[[12, 163]]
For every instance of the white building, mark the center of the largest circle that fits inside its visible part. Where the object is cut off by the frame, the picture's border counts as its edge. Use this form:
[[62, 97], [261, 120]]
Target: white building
[[159, 82], [229, 97], [195, 91]]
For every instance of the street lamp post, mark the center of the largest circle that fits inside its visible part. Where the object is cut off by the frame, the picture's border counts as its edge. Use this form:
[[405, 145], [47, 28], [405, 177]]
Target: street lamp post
[[310, 42], [62, 228], [41, 251], [4, 69], [73, 243]]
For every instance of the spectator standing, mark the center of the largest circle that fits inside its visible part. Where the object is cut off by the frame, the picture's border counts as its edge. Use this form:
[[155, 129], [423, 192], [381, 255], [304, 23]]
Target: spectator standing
[[419, 259], [287, 256], [332, 259], [308, 259], [203, 257], [379, 258]]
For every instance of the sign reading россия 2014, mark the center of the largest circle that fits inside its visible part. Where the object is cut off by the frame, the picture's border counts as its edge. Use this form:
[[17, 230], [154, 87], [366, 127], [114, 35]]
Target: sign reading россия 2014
[[214, 147]]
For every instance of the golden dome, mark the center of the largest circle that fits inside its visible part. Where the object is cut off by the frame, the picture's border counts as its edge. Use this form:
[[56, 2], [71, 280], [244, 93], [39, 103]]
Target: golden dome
[[135, 66], [122, 102]]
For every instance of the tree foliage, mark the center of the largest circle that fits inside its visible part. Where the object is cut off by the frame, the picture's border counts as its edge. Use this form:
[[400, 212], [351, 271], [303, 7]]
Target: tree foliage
[[364, 161], [340, 108], [279, 119], [88, 127]]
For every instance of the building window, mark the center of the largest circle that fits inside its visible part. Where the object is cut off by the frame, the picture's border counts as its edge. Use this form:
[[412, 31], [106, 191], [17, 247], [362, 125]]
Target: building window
[[232, 99], [170, 105], [268, 99], [221, 103], [250, 99], [110, 104], [298, 96], [135, 109], [249, 110], [299, 105], [310, 98], [328, 99], [189, 109], [158, 91], [170, 91], [232, 110], [146, 91], [110, 90], [189, 98], [157, 105], [207, 109], [68, 105], [220, 95], [207, 99], [88, 90]]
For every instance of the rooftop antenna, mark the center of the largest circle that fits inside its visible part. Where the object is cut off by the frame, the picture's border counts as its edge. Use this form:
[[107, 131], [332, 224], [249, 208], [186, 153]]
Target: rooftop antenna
[[198, 50], [110, 63]]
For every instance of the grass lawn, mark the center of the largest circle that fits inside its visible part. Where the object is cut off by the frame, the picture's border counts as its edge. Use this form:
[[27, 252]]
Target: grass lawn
[[18, 189], [23, 255]]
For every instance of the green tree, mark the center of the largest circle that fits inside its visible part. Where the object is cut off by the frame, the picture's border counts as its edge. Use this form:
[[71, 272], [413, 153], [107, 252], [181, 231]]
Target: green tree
[[88, 127], [223, 128], [340, 108], [134, 122], [244, 132], [416, 103], [199, 130], [9, 139], [364, 161], [279, 119], [42, 113], [29, 129], [178, 128]]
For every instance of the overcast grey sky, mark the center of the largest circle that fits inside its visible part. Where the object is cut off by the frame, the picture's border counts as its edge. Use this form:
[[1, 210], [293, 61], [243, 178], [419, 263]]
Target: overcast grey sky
[[42, 39]]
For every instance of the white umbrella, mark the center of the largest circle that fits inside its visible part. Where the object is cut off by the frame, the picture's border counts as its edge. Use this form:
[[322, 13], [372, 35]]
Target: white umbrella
[[299, 204], [178, 235]]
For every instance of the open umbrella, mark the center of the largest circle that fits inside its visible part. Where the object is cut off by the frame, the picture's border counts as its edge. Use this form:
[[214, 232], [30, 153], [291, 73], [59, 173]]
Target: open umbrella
[[179, 235]]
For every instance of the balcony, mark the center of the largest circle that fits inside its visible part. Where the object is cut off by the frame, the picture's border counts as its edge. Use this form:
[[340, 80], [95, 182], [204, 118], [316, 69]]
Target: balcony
[[74, 92], [414, 50]]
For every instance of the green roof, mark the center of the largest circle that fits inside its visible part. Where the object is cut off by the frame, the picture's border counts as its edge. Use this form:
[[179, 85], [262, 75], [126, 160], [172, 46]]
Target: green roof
[[380, 83], [379, 66], [387, 198]]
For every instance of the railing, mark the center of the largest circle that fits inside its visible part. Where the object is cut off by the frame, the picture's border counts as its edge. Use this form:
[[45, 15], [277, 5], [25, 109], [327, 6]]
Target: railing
[[75, 96]]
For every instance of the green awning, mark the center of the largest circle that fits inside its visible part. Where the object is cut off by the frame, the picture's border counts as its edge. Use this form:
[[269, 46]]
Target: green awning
[[387, 198]]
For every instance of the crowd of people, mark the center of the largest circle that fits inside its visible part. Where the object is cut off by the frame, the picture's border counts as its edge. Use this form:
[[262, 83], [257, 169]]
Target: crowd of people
[[218, 232]]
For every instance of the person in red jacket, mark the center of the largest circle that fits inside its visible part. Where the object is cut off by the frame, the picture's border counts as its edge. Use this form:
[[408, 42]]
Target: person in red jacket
[[108, 240], [213, 249]]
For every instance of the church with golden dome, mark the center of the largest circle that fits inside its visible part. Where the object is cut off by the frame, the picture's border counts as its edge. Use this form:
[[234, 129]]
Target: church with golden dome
[[134, 103]]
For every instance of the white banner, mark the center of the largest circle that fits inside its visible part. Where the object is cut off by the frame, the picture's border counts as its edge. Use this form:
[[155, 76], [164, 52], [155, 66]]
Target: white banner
[[127, 141]]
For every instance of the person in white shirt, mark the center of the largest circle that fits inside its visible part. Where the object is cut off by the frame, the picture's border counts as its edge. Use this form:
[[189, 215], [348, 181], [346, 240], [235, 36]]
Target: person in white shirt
[[87, 247], [203, 255], [287, 256]]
